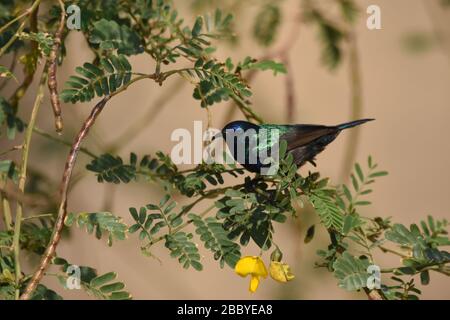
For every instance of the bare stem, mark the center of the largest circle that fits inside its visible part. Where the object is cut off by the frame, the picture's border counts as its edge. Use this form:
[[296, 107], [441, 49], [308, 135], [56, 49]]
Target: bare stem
[[6, 211], [59, 224], [44, 134], [22, 178], [146, 120], [70, 164], [20, 16], [357, 108], [53, 63], [13, 38]]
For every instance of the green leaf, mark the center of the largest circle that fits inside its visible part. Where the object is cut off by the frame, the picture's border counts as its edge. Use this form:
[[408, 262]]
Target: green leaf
[[44, 41], [266, 24], [425, 277], [104, 287], [6, 73], [101, 80], [351, 272], [111, 169], [328, 211], [215, 238], [276, 67], [378, 174], [359, 172], [197, 28], [43, 293], [109, 35], [181, 247], [349, 10], [101, 223], [9, 119]]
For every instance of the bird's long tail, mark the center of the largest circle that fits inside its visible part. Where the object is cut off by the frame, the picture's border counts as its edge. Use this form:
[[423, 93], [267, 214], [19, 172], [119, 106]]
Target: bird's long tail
[[352, 124]]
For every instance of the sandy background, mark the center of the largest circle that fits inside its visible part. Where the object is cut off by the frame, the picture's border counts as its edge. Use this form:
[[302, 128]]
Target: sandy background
[[407, 93]]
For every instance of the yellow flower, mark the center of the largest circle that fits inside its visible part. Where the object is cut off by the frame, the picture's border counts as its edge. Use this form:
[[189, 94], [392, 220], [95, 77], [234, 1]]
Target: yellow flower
[[253, 266], [280, 271]]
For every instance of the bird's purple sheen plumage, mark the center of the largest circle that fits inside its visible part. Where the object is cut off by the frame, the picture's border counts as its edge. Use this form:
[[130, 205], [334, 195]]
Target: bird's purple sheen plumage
[[304, 141]]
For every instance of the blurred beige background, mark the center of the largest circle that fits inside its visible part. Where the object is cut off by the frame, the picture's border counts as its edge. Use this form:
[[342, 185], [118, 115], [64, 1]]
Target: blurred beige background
[[408, 94]]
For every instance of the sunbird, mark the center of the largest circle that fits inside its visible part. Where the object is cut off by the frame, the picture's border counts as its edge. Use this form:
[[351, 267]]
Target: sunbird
[[250, 146]]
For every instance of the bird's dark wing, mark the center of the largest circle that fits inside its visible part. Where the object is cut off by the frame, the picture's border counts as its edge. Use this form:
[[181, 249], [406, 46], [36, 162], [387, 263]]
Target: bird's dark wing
[[301, 135], [306, 141]]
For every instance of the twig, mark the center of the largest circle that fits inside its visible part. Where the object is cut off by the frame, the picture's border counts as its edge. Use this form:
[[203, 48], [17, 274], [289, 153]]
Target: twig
[[144, 121], [357, 107], [282, 52], [29, 74], [23, 176], [44, 134], [19, 196], [439, 31], [6, 211], [373, 294], [15, 148], [11, 69], [384, 249], [184, 225], [59, 224], [20, 16], [290, 91], [53, 64], [13, 38], [39, 216], [70, 164]]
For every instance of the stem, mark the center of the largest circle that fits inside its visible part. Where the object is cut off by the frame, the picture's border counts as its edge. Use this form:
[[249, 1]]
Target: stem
[[23, 176], [384, 249], [39, 216], [184, 225], [248, 112], [15, 148], [12, 39], [44, 134], [23, 14], [59, 224], [29, 72], [133, 130], [53, 64], [6, 211], [70, 164], [357, 106]]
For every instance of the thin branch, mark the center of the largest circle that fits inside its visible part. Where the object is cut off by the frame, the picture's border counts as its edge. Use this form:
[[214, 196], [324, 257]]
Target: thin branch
[[356, 105], [20, 16], [62, 211], [11, 69], [281, 52], [29, 74], [179, 228], [14, 148], [39, 216], [44, 134], [53, 64], [6, 211], [146, 120], [290, 91], [13, 38], [18, 196], [23, 176], [70, 164]]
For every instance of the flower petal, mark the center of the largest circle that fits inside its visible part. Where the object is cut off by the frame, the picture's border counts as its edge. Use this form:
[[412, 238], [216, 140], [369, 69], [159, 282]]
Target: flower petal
[[280, 271], [245, 266], [254, 283], [260, 268]]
